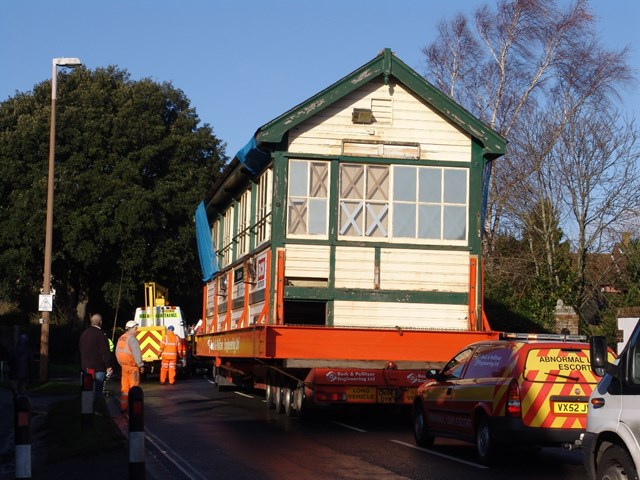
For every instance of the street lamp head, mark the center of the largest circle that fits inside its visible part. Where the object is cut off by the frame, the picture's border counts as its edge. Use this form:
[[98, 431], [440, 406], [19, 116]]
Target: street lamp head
[[67, 62]]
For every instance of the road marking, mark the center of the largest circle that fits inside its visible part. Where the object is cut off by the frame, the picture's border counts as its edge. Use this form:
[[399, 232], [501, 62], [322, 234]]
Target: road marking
[[243, 394], [438, 454], [172, 456], [350, 427]]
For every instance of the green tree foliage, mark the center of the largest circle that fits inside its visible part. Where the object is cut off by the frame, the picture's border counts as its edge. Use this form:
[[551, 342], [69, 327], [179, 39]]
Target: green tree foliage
[[132, 163], [524, 283], [629, 280]]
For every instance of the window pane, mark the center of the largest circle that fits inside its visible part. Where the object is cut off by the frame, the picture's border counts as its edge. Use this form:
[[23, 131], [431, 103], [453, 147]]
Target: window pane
[[319, 180], [297, 216], [298, 179], [377, 183], [404, 184], [429, 221], [317, 216], [455, 186], [351, 218], [430, 185], [404, 220], [454, 223], [377, 224], [351, 181]]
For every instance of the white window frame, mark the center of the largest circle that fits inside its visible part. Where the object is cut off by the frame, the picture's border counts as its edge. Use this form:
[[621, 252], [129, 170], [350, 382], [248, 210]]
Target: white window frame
[[307, 196]]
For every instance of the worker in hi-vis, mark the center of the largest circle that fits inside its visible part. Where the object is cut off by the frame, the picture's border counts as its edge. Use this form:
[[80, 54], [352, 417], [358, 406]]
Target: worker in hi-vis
[[169, 355], [130, 359]]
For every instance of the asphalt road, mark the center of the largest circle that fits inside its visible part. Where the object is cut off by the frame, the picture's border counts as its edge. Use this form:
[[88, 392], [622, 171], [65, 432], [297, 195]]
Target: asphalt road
[[194, 431]]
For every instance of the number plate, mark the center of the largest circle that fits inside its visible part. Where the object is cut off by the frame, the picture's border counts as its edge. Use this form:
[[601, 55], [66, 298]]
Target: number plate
[[409, 395], [570, 407], [386, 395], [361, 394]]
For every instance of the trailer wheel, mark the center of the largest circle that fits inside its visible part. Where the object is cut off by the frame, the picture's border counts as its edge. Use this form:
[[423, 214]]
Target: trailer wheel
[[298, 400], [277, 391], [287, 400], [269, 395]]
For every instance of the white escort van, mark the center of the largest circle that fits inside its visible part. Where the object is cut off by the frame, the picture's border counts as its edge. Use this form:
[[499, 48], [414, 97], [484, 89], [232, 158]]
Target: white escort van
[[610, 445]]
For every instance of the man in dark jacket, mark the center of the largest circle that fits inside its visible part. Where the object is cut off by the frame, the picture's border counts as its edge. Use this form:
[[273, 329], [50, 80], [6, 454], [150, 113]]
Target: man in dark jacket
[[95, 358]]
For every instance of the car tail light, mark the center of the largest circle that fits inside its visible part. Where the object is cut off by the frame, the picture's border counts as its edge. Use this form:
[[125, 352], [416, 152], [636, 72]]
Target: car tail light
[[514, 407]]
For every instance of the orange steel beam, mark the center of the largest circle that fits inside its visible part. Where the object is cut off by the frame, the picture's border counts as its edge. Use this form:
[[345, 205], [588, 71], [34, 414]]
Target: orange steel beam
[[309, 342], [473, 314], [280, 288]]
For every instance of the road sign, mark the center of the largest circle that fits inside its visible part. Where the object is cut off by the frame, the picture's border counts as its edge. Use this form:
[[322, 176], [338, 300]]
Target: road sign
[[45, 303]]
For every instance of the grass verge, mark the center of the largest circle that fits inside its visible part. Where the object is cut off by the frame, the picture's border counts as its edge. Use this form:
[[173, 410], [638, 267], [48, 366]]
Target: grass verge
[[67, 437]]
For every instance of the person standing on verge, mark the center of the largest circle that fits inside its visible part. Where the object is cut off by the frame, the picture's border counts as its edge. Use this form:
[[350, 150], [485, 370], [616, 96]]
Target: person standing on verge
[[95, 359], [130, 359], [169, 355]]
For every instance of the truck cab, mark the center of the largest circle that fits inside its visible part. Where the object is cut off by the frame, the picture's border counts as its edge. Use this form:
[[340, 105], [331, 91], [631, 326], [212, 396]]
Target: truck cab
[[611, 443], [153, 320]]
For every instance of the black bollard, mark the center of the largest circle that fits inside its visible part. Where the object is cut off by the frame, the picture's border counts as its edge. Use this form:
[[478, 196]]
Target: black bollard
[[86, 400], [137, 468], [22, 407]]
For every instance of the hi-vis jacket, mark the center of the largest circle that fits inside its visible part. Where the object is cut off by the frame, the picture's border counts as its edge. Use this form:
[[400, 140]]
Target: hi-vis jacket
[[128, 350], [169, 347]]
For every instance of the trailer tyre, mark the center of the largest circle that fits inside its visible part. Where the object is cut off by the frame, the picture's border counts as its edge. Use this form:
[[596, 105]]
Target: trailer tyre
[[277, 400], [269, 395], [298, 401], [287, 400]]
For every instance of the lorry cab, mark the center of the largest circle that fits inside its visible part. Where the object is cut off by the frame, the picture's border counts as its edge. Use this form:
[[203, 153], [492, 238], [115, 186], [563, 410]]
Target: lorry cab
[[153, 320], [611, 443]]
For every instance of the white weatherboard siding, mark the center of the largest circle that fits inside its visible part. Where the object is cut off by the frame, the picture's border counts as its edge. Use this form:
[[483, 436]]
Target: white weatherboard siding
[[307, 261], [397, 314], [354, 267], [254, 312], [408, 121], [435, 270]]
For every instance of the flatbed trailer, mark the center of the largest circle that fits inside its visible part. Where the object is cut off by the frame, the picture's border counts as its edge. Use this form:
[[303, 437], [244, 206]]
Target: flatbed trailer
[[341, 249], [299, 365]]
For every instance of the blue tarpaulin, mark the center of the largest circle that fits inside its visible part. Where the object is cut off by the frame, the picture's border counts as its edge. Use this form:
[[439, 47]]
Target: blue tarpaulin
[[206, 252], [252, 157]]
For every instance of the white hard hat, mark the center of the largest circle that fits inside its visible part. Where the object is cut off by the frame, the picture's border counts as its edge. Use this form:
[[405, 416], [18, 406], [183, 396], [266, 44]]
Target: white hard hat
[[131, 324]]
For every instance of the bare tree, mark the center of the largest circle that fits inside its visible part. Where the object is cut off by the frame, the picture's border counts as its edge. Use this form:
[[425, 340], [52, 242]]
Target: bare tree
[[596, 161], [537, 74], [512, 61]]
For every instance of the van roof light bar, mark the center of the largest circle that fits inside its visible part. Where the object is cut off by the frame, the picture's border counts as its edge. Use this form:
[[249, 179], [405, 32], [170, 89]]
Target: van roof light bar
[[556, 337]]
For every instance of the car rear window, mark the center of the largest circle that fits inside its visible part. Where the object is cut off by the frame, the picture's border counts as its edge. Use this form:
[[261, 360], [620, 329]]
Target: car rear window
[[559, 364]]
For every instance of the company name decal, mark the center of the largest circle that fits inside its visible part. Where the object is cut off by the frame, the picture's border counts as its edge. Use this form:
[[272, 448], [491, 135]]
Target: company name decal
[[351, 377], [415, 378], [228, 346]]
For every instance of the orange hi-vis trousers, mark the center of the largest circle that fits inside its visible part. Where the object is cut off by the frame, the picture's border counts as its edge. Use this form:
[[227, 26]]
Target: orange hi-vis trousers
[[130, 378], [168, 368]]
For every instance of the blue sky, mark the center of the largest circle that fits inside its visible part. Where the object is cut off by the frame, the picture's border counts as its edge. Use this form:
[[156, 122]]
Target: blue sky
[[241, 62]]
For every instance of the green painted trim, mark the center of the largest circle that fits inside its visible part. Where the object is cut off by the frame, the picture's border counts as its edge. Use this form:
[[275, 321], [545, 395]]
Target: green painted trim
[[234, 238], [368, 295], [253, 187], [330, 313], [334, 194], [387, 65], [475, 198], [279, 200], [374, 244]]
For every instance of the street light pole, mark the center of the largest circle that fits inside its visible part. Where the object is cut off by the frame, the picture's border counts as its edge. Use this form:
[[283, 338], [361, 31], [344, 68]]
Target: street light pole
[[48, 239]]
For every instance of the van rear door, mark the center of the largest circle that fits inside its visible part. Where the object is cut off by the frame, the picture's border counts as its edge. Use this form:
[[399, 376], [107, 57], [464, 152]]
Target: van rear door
[[555, 387]]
